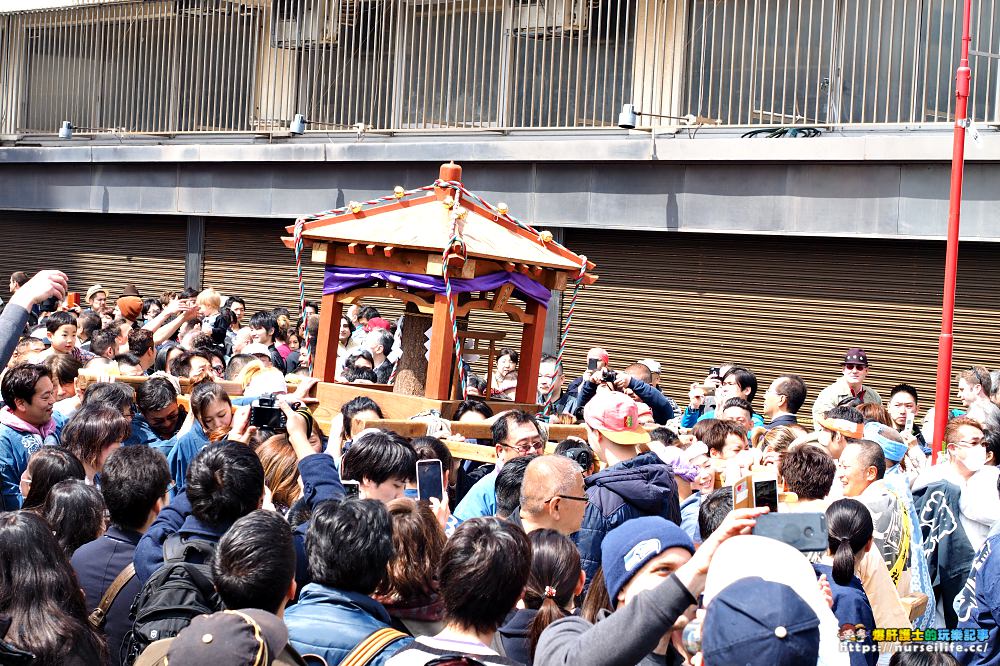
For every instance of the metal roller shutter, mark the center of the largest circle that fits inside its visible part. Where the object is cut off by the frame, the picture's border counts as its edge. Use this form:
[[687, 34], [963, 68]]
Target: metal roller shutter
[[110, 250], [780, 305], [246, 258]]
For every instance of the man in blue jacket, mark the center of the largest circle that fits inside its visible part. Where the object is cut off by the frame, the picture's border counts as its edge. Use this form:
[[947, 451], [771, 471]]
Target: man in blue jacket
[[134, 484], [27, 423], [348, 546], [208, 507], [631, 486], [158, 423]]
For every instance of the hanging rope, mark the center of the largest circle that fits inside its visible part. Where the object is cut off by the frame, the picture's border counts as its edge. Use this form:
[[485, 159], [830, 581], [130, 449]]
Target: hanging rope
[[455, 247], [299, 224], [550, 397]]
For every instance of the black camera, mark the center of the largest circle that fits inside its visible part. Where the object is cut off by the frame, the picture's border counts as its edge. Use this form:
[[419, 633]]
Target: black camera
[[608, 376], [582, 457], [266, 415]]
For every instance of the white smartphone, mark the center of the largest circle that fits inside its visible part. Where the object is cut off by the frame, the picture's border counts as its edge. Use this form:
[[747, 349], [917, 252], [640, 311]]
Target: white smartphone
[[908, 428]]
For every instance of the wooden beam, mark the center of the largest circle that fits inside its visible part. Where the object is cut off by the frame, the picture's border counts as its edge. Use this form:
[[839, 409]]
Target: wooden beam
[[402, 262], [435, 267], [319, 252], [370, 249], [353, 296], [442, 352], [513, 312], [352, 248], [501, 297], [387, 250], [531, 354], [325, 366]]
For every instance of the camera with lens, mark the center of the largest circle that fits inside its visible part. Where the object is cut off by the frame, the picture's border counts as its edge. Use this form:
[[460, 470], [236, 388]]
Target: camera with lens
[[608, 376], [266, 415]]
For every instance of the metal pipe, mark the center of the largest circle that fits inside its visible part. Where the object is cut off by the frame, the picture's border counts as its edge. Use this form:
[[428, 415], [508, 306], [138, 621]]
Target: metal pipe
[[946, 340]]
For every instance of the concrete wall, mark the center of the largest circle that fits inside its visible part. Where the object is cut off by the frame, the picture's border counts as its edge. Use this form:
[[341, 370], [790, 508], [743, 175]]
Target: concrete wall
[[889, 184]]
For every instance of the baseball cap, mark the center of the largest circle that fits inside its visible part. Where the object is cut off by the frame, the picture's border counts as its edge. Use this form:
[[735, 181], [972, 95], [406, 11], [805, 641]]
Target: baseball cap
[[376, 322], [629, 546], [249, 637], [653, 366], [755, 621], [616, 416], [855, 355]]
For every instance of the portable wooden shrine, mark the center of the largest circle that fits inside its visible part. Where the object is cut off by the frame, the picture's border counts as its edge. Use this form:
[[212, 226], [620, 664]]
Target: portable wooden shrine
[[446, 253]]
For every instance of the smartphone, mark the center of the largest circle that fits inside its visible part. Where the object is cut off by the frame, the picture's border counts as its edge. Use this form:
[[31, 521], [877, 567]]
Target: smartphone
[[765, 493], [592, 363], [352, 489], [908, 428], [430, 479], [803, 531], [713, 372]]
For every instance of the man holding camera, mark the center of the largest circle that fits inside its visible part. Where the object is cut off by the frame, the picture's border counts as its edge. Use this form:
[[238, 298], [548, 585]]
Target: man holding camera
[[633, 383]]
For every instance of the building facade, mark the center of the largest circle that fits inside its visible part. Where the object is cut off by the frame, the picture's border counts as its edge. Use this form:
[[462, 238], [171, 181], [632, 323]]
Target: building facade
[[784, 195]]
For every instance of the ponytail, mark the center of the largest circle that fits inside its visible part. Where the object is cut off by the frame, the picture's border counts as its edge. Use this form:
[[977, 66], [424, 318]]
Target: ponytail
[[548, 612], [850, 529], [843, 560], [555, 572]]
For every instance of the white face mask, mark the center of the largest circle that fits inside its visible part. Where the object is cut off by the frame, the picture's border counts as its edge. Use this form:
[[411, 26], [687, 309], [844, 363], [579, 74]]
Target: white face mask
[[975, 458]]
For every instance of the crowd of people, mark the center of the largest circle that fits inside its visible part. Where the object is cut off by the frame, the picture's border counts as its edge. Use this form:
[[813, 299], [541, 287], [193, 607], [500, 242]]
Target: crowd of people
[[162, 522]]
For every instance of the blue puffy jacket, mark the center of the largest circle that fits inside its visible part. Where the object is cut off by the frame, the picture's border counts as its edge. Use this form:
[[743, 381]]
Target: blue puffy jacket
[[642, 486], [330, 623]]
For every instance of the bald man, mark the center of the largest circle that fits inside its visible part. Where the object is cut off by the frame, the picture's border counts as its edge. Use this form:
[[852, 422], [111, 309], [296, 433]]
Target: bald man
[[553, 495]]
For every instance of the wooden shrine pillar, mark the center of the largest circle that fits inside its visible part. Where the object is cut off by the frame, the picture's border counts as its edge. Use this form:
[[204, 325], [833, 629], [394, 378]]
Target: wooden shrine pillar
[[325, 366], [441, 360], [532, 339]]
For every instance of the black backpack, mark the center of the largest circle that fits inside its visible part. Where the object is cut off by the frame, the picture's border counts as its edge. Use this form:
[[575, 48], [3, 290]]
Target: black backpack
[[178, 592]]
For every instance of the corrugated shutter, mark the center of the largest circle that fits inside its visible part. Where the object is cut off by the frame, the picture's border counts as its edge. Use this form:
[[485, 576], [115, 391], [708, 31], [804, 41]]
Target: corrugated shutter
[[781, 305], [246, 258], [110, 250]]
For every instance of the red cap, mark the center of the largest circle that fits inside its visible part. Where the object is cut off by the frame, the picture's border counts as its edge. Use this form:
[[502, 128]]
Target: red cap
[[376, 322]]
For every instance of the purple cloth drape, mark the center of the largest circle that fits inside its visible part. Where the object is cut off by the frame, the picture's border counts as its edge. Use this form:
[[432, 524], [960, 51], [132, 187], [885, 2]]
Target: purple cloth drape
[[339, 278]]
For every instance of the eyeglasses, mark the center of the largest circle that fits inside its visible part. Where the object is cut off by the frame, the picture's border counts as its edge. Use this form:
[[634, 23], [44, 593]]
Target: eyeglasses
[[979, 377], [524, 449], [854, 366], [967, 444], [170, 487], [583, 499], [219, 369]]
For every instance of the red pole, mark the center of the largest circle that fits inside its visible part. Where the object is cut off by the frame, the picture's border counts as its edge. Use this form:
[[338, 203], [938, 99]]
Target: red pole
[[945, 340]]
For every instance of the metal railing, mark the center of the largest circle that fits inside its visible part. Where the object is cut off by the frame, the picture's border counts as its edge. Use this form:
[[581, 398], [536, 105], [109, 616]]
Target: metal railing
[[179, 66]]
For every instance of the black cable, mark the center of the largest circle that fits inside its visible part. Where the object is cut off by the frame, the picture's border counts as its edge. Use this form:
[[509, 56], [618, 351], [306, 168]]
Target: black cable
[[792, 132]]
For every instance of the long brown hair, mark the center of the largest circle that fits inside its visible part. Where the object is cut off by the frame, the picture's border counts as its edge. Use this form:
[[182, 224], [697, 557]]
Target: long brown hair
[[555, 572], [418, 541], [281, 470], [597, 598]]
